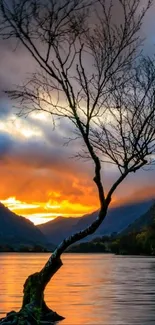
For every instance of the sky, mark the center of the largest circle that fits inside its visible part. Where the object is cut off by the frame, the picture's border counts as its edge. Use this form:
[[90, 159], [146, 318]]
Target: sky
[[39, 176]]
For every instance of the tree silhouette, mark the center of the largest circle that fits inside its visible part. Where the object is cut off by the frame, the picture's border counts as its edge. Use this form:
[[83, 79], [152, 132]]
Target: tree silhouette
[[90, 70]]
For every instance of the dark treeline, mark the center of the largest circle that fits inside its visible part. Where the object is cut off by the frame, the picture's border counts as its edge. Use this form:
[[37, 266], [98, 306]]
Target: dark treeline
[[23, 248], [135, 243]]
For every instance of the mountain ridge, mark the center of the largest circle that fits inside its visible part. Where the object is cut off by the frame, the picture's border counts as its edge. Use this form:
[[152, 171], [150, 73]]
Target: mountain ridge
[[145, 220], [117, 219], [16, 230]]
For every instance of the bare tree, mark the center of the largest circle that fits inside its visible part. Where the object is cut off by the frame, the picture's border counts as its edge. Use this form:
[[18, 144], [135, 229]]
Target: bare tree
[[90, 70]]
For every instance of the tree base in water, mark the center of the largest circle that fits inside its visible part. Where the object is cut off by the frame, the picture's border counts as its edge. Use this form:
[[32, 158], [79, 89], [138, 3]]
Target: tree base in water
[[27, 317], [34, 310]]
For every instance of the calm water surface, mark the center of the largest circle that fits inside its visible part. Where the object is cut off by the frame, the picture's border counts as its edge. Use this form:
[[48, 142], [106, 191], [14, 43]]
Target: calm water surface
[[89, 289]]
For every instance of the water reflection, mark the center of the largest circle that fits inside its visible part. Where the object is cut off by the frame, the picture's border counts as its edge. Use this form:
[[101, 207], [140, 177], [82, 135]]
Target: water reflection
[[89, 289]]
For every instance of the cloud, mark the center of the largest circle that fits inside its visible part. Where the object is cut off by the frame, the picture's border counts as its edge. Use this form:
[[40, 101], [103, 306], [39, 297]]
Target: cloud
[[31, 169], [136, 187], [35, 164], [5, 145], [5, 108]]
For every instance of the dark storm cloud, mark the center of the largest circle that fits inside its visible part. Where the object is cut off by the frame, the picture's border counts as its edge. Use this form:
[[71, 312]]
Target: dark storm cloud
[[39, 153], [16, 62], [5, 107], [6, 145], [59, 132]]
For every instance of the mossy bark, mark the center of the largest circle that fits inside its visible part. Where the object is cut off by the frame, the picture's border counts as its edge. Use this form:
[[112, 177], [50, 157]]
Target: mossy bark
[[33, 299]]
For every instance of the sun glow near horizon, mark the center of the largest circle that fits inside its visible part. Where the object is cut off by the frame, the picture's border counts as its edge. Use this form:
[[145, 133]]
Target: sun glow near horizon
[[42, 212], [57, 205]]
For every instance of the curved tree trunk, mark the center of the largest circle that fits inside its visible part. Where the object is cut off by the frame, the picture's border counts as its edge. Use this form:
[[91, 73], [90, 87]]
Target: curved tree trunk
[[33, 298], [34, 309]]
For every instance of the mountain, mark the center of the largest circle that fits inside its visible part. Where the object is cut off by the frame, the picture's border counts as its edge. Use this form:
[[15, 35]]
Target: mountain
[[16, 230], [57, 229], [121, 217], [145, 220], [117, 219]]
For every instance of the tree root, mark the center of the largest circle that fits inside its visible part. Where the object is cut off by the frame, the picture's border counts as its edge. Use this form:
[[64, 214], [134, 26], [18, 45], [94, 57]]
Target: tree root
[[29, 315]]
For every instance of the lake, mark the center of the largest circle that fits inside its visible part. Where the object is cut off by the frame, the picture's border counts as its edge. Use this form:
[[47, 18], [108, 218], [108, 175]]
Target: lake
[[89, 288]]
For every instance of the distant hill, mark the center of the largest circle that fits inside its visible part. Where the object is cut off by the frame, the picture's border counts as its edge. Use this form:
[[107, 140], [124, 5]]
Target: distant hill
[[137, 239], [116, 220], [145, 220], [16, 230], [56, 230]]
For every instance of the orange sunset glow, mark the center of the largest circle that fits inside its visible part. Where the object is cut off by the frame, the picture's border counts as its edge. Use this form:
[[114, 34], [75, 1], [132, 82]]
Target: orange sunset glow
[[40, 212], [41, 179]]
